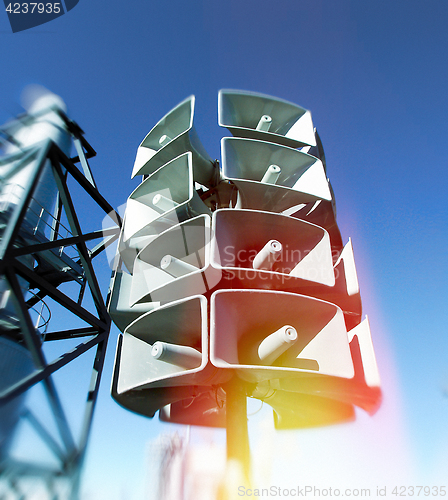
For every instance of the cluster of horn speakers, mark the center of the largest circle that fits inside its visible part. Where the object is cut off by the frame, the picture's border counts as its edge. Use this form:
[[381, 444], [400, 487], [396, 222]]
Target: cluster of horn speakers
[[236, 268]]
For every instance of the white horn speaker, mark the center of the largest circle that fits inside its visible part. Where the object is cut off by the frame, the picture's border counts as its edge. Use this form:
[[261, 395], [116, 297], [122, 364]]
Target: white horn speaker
[[174, 135], [296, 411], [365, 354], [362, 389], [164, 199], [317, 150], [243, 320], [258, 249], [259, 116], [272, 177], [119, 306], [147, 402], [176, 264], [167, 346], [308, 411], [207, 409], [366, 382], [322, 213], [345, 293]]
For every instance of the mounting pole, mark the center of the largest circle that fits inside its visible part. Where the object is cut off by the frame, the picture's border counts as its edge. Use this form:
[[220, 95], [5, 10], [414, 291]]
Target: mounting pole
[[236, 425]]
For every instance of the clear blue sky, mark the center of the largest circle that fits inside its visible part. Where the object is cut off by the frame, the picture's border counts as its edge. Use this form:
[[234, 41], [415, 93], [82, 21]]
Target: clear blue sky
[[374, 76]]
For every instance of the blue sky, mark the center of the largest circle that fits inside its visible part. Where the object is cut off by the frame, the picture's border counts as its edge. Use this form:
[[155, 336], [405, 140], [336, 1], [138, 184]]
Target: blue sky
[[374, 76]]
